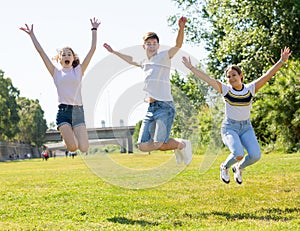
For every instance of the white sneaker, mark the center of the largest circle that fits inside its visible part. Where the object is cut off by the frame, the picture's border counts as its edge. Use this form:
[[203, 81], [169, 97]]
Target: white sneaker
[[237, 171], [178, 155], [187, 152], [224, 174]]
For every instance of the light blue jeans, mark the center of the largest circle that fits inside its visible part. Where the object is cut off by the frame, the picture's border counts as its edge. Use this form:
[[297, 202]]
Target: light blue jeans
[[156, 126], [238, 135]]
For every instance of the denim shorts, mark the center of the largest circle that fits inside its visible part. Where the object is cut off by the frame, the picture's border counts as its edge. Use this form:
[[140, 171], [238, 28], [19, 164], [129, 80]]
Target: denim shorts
[[69, 114], [156, 125]]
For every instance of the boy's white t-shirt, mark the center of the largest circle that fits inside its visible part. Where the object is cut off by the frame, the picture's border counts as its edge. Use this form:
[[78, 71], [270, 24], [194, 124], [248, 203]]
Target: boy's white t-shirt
[[157, 76], [68, 85], [238, 103]]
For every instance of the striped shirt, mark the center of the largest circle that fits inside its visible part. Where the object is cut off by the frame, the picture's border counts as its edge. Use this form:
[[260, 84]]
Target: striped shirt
[[238, 103]]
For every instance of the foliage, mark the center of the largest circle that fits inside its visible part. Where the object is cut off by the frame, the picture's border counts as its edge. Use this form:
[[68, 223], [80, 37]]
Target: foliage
[[32, 124], [136, 132], [189, 96], [52, 126], [276, 111], [64, 194], [249, 33], [20, 118], [209, 122], [9, 117]]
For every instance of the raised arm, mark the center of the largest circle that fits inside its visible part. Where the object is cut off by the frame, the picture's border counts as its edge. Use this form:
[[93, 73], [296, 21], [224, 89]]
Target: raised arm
[[180, 37], [260, 82], [89, 55], [50, 66], [215, 84], [126, 58]]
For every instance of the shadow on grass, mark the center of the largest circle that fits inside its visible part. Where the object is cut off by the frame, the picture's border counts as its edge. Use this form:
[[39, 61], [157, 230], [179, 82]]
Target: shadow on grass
[[126, 221], [274, 214], [269, 214]]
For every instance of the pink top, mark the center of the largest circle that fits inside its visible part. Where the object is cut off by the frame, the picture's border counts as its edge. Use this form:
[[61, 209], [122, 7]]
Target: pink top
[[68, 85]]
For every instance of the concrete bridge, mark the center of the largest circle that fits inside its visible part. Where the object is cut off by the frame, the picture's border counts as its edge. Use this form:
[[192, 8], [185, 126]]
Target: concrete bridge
[[123, 133]]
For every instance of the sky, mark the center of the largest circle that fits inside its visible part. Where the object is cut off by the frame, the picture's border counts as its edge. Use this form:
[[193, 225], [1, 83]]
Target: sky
[[67, 23]]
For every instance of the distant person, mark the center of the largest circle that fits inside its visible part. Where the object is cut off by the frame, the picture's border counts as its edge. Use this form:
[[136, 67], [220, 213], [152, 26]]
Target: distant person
[[66, 153], [67, 79], [45, 155], [237, 131], [157, 123]]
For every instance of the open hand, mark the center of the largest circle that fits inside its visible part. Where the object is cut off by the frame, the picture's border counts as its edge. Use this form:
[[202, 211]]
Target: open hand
[[285, 53], [187, 62], [27, 29], [95, 22]]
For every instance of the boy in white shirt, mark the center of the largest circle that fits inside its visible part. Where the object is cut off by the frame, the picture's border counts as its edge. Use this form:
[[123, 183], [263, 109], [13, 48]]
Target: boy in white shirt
[[156, 126]]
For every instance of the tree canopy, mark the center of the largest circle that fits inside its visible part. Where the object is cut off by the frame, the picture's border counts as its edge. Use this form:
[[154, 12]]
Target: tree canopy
[[32, 125], [249, 33], [9, 107], [21, 119]]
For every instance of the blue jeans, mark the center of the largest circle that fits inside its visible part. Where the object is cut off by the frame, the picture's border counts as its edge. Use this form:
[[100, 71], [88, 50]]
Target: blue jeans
[[238, 135], [156, 126], [69, 114]]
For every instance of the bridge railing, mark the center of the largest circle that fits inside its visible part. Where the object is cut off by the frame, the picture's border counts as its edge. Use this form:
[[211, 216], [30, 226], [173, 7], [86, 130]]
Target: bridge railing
[[124, 132]]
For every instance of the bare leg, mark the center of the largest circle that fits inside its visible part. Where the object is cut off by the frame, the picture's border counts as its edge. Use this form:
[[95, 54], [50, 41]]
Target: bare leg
[[82, 138], [69, 138], [172, 144]]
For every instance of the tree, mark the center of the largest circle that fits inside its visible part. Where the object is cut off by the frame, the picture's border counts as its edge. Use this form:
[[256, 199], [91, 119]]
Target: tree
[[189, 96], [32, 124], [9, 117], [276, 111], [137, 128], [249, 33]]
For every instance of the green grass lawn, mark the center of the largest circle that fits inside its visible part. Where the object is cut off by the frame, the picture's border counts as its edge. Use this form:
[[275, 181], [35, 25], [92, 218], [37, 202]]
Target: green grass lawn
[[68, 194]]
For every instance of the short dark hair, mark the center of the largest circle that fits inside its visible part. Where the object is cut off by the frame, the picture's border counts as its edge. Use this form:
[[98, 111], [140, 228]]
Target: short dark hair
[[150, 35]]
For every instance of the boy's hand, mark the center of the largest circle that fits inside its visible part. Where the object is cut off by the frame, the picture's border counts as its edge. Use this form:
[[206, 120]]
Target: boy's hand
[[182, 21]]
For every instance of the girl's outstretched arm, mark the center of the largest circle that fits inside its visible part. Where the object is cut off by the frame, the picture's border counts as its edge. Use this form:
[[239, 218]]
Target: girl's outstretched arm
[[50, 66], [260, 82], [215, 84], [89, 56]]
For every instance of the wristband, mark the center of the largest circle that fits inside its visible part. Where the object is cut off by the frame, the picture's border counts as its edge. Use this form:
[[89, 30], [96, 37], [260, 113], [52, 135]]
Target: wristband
[[281, 60], [94, 28]]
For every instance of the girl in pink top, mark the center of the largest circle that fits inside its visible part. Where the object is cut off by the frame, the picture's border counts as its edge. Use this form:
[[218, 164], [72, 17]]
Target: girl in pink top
[[70, 117]]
